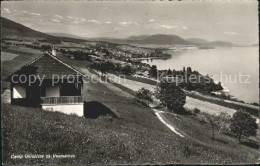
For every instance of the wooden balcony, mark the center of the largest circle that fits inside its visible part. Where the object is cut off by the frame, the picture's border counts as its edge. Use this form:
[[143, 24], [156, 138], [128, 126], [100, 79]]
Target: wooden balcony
[[61, 100]]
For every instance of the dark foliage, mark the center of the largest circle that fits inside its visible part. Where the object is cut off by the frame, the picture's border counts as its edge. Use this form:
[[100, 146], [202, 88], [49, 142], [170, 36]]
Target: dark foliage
[[242, 124], [171, 95], [153, 71]]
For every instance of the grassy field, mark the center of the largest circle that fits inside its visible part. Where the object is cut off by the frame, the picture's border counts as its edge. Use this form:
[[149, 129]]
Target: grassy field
[[249, 108], [138, 79], [135, 136]]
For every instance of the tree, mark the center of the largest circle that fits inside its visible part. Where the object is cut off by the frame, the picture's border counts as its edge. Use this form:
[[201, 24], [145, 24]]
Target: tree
[[184, 69], [242, 124], [223, 122], [189, 71], [153, 71], [171, 95], [127, 69], [213, 124], [169, 72]]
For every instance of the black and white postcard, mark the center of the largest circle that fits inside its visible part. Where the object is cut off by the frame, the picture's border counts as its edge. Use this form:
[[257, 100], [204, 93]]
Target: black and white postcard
[[130, 82]]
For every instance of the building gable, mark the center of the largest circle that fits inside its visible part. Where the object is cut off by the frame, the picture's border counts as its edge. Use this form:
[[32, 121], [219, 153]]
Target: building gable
[[47, 66]]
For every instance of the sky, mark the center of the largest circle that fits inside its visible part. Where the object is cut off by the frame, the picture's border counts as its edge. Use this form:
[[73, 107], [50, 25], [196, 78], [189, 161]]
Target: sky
[[236, 22]]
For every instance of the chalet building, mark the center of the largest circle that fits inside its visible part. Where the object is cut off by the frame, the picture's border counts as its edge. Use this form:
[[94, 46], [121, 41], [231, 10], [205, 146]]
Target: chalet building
[[49, 83]]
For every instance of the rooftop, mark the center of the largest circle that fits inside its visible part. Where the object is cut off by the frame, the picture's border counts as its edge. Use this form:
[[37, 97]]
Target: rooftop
[[46, 66]]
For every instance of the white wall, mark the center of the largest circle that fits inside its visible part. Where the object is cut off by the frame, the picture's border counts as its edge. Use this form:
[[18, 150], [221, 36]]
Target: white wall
[[77, 109], [53, 91], [19, 91]]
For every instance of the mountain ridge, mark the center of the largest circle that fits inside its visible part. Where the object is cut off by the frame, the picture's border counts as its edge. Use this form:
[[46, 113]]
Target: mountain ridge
[[12, 28]]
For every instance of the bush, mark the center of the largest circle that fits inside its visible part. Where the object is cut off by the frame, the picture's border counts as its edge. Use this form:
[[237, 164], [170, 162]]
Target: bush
[[144, 94], [196, 111]]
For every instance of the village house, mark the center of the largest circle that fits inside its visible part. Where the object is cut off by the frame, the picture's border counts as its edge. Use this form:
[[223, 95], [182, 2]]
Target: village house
[[49, 83]]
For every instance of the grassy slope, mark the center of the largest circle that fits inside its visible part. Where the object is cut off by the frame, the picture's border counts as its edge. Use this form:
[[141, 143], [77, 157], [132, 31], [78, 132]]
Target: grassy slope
[[136, 136], [201, 132]]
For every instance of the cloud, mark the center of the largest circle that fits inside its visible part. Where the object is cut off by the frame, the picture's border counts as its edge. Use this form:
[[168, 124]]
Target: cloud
[[36, 14], [70, 17], [29, 13], [108, 22], [231, 33], [94, 21], [7, 10], [55, 20], [125, 23], [151, 21], [183, 27], [166, 26], [79, 20], [58, 16]]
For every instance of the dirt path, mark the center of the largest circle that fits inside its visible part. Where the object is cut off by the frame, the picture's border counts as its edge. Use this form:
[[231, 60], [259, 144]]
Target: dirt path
[[158, 113], [168, 124]]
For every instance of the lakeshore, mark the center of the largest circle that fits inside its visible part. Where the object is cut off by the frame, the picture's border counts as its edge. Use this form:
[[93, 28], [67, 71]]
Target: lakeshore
[[224, 64]]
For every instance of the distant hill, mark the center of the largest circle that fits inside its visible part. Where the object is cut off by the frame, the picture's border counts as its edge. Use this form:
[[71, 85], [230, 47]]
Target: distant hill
[[254, 45], [66, 35], [11, 28], [158, 39], [198, 41], [161, 39], [140, 37], [203, 42], [221, 44]]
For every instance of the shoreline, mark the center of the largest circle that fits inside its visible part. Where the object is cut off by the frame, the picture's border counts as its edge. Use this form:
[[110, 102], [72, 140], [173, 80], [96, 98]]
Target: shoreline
[[205, 61]]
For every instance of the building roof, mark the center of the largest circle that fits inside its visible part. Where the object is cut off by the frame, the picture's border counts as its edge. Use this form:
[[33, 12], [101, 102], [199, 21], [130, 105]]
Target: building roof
[[47, 66]]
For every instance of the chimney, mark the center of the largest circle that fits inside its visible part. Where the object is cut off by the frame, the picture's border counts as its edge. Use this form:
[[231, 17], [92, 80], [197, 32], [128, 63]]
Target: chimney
[[53, 52]]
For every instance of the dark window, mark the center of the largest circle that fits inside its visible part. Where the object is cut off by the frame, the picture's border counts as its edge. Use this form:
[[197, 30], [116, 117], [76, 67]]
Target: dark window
[[69, 89]]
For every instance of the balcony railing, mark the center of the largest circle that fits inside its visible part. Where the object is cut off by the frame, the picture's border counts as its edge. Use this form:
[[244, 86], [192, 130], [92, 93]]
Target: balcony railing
[[62, 100]]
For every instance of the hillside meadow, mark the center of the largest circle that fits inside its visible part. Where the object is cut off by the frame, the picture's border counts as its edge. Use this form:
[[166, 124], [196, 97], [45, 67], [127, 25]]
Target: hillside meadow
[[133, 136]]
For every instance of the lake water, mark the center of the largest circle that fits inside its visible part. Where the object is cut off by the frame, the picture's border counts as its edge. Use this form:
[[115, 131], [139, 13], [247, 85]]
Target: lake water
[[227, 65]]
